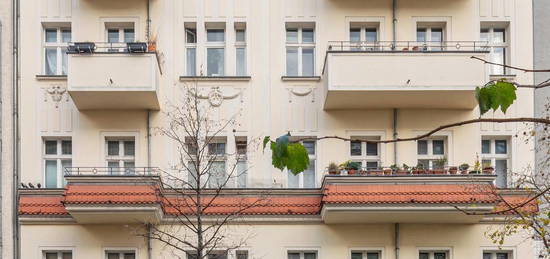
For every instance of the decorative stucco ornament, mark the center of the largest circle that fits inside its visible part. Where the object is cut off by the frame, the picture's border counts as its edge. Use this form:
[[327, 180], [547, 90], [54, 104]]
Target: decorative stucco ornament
[[216, 97], [56, 92]]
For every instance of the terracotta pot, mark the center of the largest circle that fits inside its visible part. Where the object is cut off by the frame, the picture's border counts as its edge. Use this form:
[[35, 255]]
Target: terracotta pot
[[387, 171], [152, 47], [438, 171], [375, 172], [488, 170], [453, 170], [363, 172], [333, 172], [352, 171], [402, 172]]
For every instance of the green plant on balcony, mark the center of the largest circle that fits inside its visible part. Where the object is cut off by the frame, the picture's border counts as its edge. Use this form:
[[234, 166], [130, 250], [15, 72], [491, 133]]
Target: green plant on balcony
[[333, 168], [439, 165]]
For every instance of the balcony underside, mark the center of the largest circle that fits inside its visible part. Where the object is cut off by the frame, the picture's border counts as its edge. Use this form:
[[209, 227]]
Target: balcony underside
[[98, 100], [115, 214]]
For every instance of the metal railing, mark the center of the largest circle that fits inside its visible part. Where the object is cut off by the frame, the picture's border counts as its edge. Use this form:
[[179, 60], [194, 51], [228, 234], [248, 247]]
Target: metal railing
[[112, 171], [412, 46], [107, 47], [388, 171]]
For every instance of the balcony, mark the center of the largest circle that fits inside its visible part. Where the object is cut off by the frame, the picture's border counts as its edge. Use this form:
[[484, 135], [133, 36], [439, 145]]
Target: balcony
[[370, 75], [113, 76]]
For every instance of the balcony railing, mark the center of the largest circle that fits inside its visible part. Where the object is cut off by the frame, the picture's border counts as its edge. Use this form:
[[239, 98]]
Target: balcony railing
[[424, 46], [112, 171], [389, 171], [107, 47]]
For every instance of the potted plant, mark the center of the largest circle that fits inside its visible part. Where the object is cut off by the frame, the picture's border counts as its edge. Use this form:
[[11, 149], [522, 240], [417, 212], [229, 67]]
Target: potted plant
[[464, 168], [419, 169], [394, 168], [439, 165], [453, 170], [352, 167], [376, 171], [152, 44], [477, 167], [488, 170], [387, 171], [404, 170], [333, 168]]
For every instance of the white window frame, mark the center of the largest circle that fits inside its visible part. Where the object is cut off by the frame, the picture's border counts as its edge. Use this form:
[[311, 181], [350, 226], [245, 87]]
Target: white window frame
[[58, 250], [120, 251], [120, 27], [433, 250], [494, 253], [190, 45], [312, 157], [241, 26], [493, 156], [364, 158], [121, 158], [365, 250], [431, 156], [59, 45], [59, 157], [300, 46], [242, 158], [302, 252], [218, 157], [491, 45], [429, 26], [215, 45], [363, 44]]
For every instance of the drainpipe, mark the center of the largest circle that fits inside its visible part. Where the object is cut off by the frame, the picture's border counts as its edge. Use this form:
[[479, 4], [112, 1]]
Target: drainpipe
[[394, 23], [395, 135], [148, 25], [149, 248], [397, 245], [148, 138], [15, 125]]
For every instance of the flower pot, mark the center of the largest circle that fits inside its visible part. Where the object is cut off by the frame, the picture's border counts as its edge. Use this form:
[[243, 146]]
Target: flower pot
[[453, 170], [152, 47], [387, 171], [334, 172], [402, 172], [352, 171], [488, 170], [375, 172], [363, 172], [438, 171]]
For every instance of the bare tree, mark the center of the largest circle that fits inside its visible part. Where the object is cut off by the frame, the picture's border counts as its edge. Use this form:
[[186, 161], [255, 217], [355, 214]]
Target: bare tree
[[196, 187]]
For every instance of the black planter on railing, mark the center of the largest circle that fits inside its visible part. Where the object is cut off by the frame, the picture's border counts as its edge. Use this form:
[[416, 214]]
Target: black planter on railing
[[136, 47], [81, 47]]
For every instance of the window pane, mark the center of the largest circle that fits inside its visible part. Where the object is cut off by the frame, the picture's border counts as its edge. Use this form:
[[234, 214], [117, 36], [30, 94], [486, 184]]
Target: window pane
[[240, 36], [422, 147], [421, 34], [129, 167], [66, 147], [50, 147], [129, 256], [502, 255], [371, 35], [64, 164], [310, 255], [292, 35], [51, 174], [129, 35], [485, 146], [423, 256], [355, 148], [484, 35], [307, 62], [192, 175], [293, 180], [215, 35], [308, 36], [499, 36], [217, 174], [241, 61], [440, 255], [51, 61], [310, 147], [114, 167], [51, 35], [309, 175], [501, 169], [438, 147], [64, 58], [372, 149], [112, 148], [498, 57], [215, 62], [291, 61], [355, 35], [190, 35], [242, 174], [51, 255], [501, 147], [66, 35], [373, 255], [113, 256], [242, 255], [487, 256], [129, 148], [485, 163], [191, 62], [424, 162], [372, 165], [67, 256], [437, 35], [112, 35], [356, 255], [216, 149]]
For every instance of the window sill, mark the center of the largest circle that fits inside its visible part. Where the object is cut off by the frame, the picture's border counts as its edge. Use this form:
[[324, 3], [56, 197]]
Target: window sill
[[51, 77], [301, 78], [509, 78], [215, 78]]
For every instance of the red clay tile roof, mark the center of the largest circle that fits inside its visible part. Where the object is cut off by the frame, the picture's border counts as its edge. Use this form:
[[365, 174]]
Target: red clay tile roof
[[399, 194], [520, 201], [107, 194], [42, 205], [225, 205]]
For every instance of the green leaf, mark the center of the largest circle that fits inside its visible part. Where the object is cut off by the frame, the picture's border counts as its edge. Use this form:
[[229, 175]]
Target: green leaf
[[292, 156], [498, 94], [298, 159], [266, 140], [506, 94]]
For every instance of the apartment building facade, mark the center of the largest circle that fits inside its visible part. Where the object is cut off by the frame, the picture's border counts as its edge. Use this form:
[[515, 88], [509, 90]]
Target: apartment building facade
[[357, 69]]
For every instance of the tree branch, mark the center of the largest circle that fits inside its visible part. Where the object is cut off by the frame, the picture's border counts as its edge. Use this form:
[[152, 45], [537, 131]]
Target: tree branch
[[511, 67]]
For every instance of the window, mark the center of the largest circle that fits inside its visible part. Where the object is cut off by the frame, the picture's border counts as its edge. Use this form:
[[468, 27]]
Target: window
[[302, 255], [57, 155], [430, 35], [191, 49], [431, 151], [119, 33], [364, 36], [217, 171], [495, 153], [497, 254], [120, 255], [242, 165], [438, 254], [120, 155], [240, 49], [56, 40], [369, 254], [306, 179], [57, 255], [215, 49], [300, 50], [368, 154], [495, 36]]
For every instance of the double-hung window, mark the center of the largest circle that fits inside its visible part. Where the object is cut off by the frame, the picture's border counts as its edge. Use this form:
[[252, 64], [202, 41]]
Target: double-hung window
[[366, 254], [300, 49], [215, 49], [56, 40], [430, 152], [495, 152], [120, 254], [240, 49], [433, 254], [364, 152], [242, 165], [217, 176], [121, 155], [302, 255], [500, 254], [363, 36], [191, 49], [306, 179], [431, 36], [117, 34], [497, 45], [57, 155], [57, 255]]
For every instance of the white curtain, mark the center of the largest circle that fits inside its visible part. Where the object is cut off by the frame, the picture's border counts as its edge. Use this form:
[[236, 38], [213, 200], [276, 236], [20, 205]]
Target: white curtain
[[51, 61]]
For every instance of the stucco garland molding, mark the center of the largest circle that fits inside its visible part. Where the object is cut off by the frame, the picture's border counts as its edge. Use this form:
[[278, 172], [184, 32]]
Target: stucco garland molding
[[56, 93], [216, 97], [301, 93]]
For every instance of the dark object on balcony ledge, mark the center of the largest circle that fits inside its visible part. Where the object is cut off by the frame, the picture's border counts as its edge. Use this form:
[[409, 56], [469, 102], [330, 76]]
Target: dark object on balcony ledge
[[82, 47], [136, 47]]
